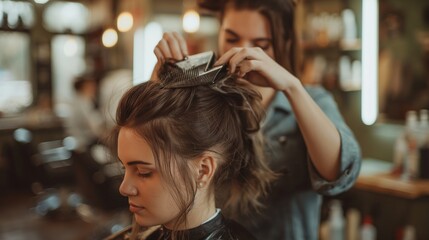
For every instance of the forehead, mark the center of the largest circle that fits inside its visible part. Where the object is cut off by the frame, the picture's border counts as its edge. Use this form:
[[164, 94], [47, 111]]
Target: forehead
[[131, 146], [246, 23]]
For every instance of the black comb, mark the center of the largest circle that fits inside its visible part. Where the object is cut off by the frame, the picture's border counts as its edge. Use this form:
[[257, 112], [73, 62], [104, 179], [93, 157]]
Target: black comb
[[196, 70]]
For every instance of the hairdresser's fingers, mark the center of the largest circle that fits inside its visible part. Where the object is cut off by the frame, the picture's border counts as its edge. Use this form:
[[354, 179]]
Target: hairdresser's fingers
[[226, 56], [160, 58], [173, 45], [154, 76], [165, 49], [264, 74], [158, 54], [250, 70], [182, 43], [253, 72], [246, 66], [246, 54], [236, 59]]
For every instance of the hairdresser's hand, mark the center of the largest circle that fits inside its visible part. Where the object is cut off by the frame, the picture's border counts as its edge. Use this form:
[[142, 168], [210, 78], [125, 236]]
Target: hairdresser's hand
[[255, 66], [171, 46]]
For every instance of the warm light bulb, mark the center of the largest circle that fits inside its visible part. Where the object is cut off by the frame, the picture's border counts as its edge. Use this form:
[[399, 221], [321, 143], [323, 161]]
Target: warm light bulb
[[125, 22], [110, 37], [191, 21]]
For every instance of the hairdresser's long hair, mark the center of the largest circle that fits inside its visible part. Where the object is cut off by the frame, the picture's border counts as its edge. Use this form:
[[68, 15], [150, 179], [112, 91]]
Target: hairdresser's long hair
[[281, 16], [181, 124]]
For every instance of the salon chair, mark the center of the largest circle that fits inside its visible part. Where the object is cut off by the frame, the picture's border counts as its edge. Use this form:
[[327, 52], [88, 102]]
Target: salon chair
[[100, 174], [57, 183], [19, 171]]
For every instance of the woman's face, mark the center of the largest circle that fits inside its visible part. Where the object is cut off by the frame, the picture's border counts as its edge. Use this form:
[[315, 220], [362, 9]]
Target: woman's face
[[148, 196], [245, 28]]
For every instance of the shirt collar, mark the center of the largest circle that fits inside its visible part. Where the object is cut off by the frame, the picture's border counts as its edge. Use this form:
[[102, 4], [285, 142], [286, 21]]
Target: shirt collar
[[281, 102]]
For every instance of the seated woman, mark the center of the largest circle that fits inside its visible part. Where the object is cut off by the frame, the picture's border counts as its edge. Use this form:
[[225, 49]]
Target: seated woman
[[179, 145]]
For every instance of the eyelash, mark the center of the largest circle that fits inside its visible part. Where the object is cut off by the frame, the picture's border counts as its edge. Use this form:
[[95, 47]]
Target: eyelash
[[231, 40], [264, 47], [143, 175]]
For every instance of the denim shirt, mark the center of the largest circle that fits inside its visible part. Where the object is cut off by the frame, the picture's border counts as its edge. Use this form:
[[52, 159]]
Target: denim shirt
[[292, 209]]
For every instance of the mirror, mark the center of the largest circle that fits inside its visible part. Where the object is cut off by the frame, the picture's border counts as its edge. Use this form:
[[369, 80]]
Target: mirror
[[15, 67], [403, 58]]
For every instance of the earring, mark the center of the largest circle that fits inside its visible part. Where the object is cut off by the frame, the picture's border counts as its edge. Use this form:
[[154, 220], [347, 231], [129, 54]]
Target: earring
[[200, 184]]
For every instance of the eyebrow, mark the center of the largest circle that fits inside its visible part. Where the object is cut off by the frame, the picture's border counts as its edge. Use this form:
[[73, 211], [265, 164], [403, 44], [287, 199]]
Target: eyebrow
[[229, 31], [136, 162]]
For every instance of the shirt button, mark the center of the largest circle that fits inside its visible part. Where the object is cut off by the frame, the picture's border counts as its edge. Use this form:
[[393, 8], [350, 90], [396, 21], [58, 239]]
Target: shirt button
[[282, 139], [347, 172]]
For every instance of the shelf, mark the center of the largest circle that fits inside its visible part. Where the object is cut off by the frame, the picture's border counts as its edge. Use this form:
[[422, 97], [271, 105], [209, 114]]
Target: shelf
[[393, 185], [342, 45]]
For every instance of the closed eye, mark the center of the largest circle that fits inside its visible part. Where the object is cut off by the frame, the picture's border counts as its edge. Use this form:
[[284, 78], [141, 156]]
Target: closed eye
[[145, 174], [232, 40], [263, 44]]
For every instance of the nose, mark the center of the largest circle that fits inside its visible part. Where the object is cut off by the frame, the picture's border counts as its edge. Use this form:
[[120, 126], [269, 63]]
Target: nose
[[127, 188], [245, 43]]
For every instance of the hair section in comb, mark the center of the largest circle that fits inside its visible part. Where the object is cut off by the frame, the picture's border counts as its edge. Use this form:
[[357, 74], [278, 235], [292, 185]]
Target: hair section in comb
[[195, 71]]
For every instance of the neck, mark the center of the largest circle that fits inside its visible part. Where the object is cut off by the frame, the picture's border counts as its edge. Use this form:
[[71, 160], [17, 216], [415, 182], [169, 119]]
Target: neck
[[202, 210]]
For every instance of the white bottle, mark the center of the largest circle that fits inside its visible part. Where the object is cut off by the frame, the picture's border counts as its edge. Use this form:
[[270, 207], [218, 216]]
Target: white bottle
[[336, 221], [368, 231], [349, 21], [410, 169], [424, 144], [409, 233], [353, 224]]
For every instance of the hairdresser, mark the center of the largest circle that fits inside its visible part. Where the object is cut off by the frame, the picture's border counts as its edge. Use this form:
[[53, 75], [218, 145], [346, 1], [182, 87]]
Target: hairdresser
[[307, 142]]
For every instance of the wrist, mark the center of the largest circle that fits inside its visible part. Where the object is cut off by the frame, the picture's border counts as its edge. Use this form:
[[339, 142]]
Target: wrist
[[293, 87]]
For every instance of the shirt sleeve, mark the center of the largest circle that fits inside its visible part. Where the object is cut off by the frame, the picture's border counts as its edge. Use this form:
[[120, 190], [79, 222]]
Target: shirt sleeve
[[350, 150]]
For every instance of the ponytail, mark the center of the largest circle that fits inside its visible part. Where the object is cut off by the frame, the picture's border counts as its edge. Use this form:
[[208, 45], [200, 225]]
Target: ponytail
[[245, 174]]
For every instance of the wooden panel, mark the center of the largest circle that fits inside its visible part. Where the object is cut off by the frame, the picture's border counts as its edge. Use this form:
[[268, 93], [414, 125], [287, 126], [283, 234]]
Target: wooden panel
[[393, 185]]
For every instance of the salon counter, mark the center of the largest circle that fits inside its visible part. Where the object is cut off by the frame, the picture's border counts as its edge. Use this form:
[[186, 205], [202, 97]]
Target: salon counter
[[376, 177], [393, 203]]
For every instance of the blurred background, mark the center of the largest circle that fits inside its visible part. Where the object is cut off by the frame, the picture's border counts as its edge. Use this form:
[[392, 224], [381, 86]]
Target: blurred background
[[373, 55]]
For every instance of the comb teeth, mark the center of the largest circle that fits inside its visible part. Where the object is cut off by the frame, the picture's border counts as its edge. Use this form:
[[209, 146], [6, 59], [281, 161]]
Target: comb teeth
[[194, 71], [193, 77]]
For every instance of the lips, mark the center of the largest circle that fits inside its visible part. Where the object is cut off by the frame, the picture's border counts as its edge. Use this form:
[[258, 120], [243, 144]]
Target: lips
[[135, 208]]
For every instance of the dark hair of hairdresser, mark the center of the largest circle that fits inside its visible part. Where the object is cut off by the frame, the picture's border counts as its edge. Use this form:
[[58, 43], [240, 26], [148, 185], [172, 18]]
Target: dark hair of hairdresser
[[280, 14]]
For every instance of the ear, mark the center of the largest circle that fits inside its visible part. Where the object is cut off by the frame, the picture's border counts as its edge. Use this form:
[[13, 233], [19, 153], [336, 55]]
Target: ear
[[206, 167]]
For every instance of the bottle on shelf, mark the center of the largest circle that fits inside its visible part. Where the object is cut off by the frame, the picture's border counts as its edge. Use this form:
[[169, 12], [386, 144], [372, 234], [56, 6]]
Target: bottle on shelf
[[353, 224], [424, 146], [405, 150], [409, 233], [336, 221], [368, 231]]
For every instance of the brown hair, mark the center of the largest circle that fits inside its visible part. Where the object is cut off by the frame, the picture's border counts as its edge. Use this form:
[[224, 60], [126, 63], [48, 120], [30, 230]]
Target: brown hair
[[181, 124], [280, 14]]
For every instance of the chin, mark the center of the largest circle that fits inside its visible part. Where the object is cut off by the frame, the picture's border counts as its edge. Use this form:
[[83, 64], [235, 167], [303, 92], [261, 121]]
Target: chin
[[145, 221]]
